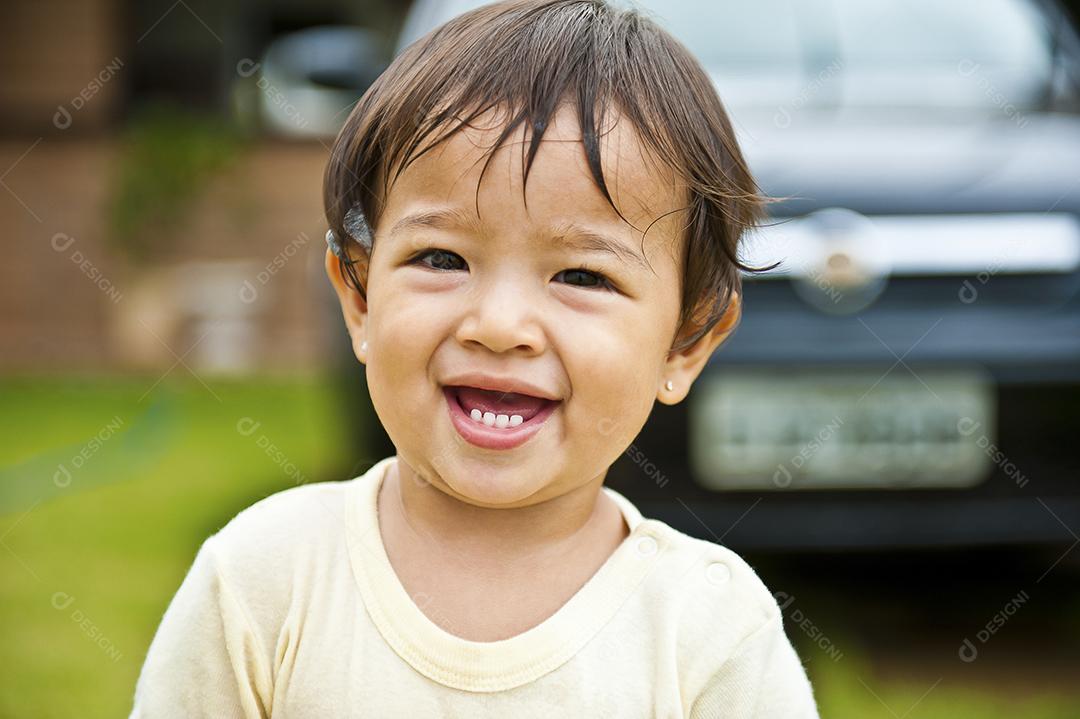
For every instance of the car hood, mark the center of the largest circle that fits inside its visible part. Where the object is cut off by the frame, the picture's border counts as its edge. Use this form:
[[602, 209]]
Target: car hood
[[1006, 163]]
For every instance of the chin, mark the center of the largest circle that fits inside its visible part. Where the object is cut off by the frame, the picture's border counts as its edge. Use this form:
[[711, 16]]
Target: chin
[[490, 485]]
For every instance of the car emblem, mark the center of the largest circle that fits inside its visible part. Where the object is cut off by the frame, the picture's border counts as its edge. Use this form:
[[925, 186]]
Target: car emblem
[[847, 267]]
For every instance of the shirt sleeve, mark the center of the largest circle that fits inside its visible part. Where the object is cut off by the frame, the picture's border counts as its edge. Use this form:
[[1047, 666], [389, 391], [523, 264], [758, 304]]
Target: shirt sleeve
[[204, 660], [763, 679]]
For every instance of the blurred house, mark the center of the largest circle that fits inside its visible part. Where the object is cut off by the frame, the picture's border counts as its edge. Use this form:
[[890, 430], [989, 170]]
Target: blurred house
[[153, 209]]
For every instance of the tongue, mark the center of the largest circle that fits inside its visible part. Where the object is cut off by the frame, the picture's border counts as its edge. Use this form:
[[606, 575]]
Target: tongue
[[507, 403]]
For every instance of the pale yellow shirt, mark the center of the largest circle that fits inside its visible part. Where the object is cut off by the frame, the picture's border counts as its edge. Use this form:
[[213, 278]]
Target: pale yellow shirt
[[294, 610]]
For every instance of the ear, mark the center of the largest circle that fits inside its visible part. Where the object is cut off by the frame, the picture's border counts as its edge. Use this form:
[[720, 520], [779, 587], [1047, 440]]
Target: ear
[[681, 368], [353, 305]]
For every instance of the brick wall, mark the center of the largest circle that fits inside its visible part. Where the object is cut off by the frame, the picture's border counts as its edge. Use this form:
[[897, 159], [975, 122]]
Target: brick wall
[[57, 53], [68, 300]]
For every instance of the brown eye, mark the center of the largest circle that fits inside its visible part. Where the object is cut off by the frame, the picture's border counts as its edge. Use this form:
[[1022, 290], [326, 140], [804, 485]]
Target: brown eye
[[440, 260], [580, 277]]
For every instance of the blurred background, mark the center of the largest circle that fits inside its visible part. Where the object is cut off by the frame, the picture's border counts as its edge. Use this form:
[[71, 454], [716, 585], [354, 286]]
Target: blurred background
[[888, 438]]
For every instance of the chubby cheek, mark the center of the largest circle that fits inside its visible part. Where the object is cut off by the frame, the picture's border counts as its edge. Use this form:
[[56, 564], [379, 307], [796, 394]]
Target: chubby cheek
[[614, 378], [402, 338]]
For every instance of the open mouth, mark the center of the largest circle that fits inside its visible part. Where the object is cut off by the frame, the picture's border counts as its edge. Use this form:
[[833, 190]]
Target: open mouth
[[498, 409], [494, 419]]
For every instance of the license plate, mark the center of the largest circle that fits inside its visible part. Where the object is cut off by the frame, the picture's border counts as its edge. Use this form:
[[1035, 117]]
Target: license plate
[[841, 429]]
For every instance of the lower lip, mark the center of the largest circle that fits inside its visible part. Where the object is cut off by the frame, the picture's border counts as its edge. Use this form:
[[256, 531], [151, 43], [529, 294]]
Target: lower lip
[[481, 435]]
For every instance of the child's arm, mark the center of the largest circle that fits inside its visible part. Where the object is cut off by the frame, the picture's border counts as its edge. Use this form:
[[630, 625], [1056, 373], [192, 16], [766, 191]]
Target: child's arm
[[204, 660], [764, 679]]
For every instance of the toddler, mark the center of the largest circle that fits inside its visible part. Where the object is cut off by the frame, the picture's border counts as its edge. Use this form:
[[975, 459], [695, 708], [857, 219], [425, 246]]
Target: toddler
[[534, 217]]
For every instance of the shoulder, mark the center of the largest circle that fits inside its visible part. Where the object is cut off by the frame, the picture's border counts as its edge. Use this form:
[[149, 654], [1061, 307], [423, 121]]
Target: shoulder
[[293, 521], [733, 656], [718, 588], [280, 547], [712, 600], [698, 583], [285, 519]]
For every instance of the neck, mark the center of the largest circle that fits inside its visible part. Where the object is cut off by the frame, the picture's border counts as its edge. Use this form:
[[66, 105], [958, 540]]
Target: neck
[[437, 519]]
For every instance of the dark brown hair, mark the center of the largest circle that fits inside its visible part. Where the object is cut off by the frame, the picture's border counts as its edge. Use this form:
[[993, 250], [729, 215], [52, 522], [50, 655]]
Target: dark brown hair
[[529, 57]]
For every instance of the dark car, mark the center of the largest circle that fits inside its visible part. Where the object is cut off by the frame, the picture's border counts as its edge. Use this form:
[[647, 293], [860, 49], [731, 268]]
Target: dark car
[[910, 374]]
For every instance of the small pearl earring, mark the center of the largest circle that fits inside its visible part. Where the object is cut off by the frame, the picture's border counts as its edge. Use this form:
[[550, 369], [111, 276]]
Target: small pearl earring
[[669, 386], [363, 346]]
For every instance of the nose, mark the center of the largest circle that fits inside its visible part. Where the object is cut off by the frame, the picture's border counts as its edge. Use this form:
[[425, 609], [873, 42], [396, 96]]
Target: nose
[[502, 316]]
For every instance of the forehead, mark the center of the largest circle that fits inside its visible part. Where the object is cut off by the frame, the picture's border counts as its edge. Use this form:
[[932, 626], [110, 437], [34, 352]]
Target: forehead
[[560, 187]]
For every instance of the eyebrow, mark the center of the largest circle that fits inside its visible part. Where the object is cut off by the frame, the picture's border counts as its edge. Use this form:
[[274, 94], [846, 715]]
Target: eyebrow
[[568, 234], [437, 219], [579, 238]]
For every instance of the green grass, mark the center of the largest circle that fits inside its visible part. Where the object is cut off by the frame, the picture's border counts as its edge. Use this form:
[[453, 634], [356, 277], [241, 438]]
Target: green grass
[[117, 538], [851, 689]]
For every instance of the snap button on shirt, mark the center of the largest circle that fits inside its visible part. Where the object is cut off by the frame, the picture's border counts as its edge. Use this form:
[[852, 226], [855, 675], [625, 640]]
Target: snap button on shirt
[[718, 573], [646, 546]]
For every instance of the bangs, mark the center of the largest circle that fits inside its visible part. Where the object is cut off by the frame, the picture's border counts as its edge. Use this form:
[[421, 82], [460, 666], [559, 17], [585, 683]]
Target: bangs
[[524, 60]]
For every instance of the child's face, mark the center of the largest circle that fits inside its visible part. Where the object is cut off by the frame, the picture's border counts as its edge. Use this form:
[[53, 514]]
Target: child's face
[[505, 303]]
